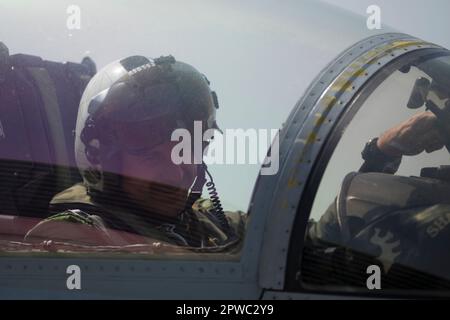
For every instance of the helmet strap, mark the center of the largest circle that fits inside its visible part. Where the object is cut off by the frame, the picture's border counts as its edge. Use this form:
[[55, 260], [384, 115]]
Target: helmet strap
[[197, 188]]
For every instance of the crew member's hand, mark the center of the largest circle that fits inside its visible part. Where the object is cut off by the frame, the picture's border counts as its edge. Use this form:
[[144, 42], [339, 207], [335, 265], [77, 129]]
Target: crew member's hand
[[412, 137]]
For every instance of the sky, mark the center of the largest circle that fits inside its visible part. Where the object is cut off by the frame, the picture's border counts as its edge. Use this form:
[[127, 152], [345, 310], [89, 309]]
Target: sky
[[427, 20]]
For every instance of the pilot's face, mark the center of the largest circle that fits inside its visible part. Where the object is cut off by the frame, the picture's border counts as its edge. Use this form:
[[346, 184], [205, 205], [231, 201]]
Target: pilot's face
[[155, 182]]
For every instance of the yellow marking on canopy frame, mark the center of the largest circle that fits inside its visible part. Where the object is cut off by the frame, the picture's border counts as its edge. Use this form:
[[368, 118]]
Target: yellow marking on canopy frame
[[340, 84], [311, 138], [369, 58], [329, 100], [320, 119]]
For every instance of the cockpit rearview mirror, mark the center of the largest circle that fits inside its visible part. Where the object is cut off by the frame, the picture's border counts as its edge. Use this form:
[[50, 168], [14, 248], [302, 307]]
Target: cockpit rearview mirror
[[419, 93]]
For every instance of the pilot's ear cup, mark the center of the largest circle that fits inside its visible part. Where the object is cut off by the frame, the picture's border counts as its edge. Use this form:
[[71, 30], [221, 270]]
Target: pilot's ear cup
[[87, 135], [89, 132], [92, 154]]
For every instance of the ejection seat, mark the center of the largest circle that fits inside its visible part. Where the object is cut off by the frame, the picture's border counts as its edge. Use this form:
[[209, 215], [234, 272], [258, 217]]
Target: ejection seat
[[38, 110]]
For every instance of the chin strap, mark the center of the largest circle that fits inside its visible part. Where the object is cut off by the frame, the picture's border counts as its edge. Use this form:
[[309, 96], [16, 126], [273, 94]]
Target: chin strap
[[197, 188]]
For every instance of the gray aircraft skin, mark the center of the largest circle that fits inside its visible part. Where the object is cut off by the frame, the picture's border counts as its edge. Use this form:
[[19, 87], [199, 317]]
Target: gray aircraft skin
[[330, 61]]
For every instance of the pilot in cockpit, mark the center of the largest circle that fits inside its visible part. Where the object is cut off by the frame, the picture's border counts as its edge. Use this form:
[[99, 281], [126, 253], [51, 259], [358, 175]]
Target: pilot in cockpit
[[124, 150]]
